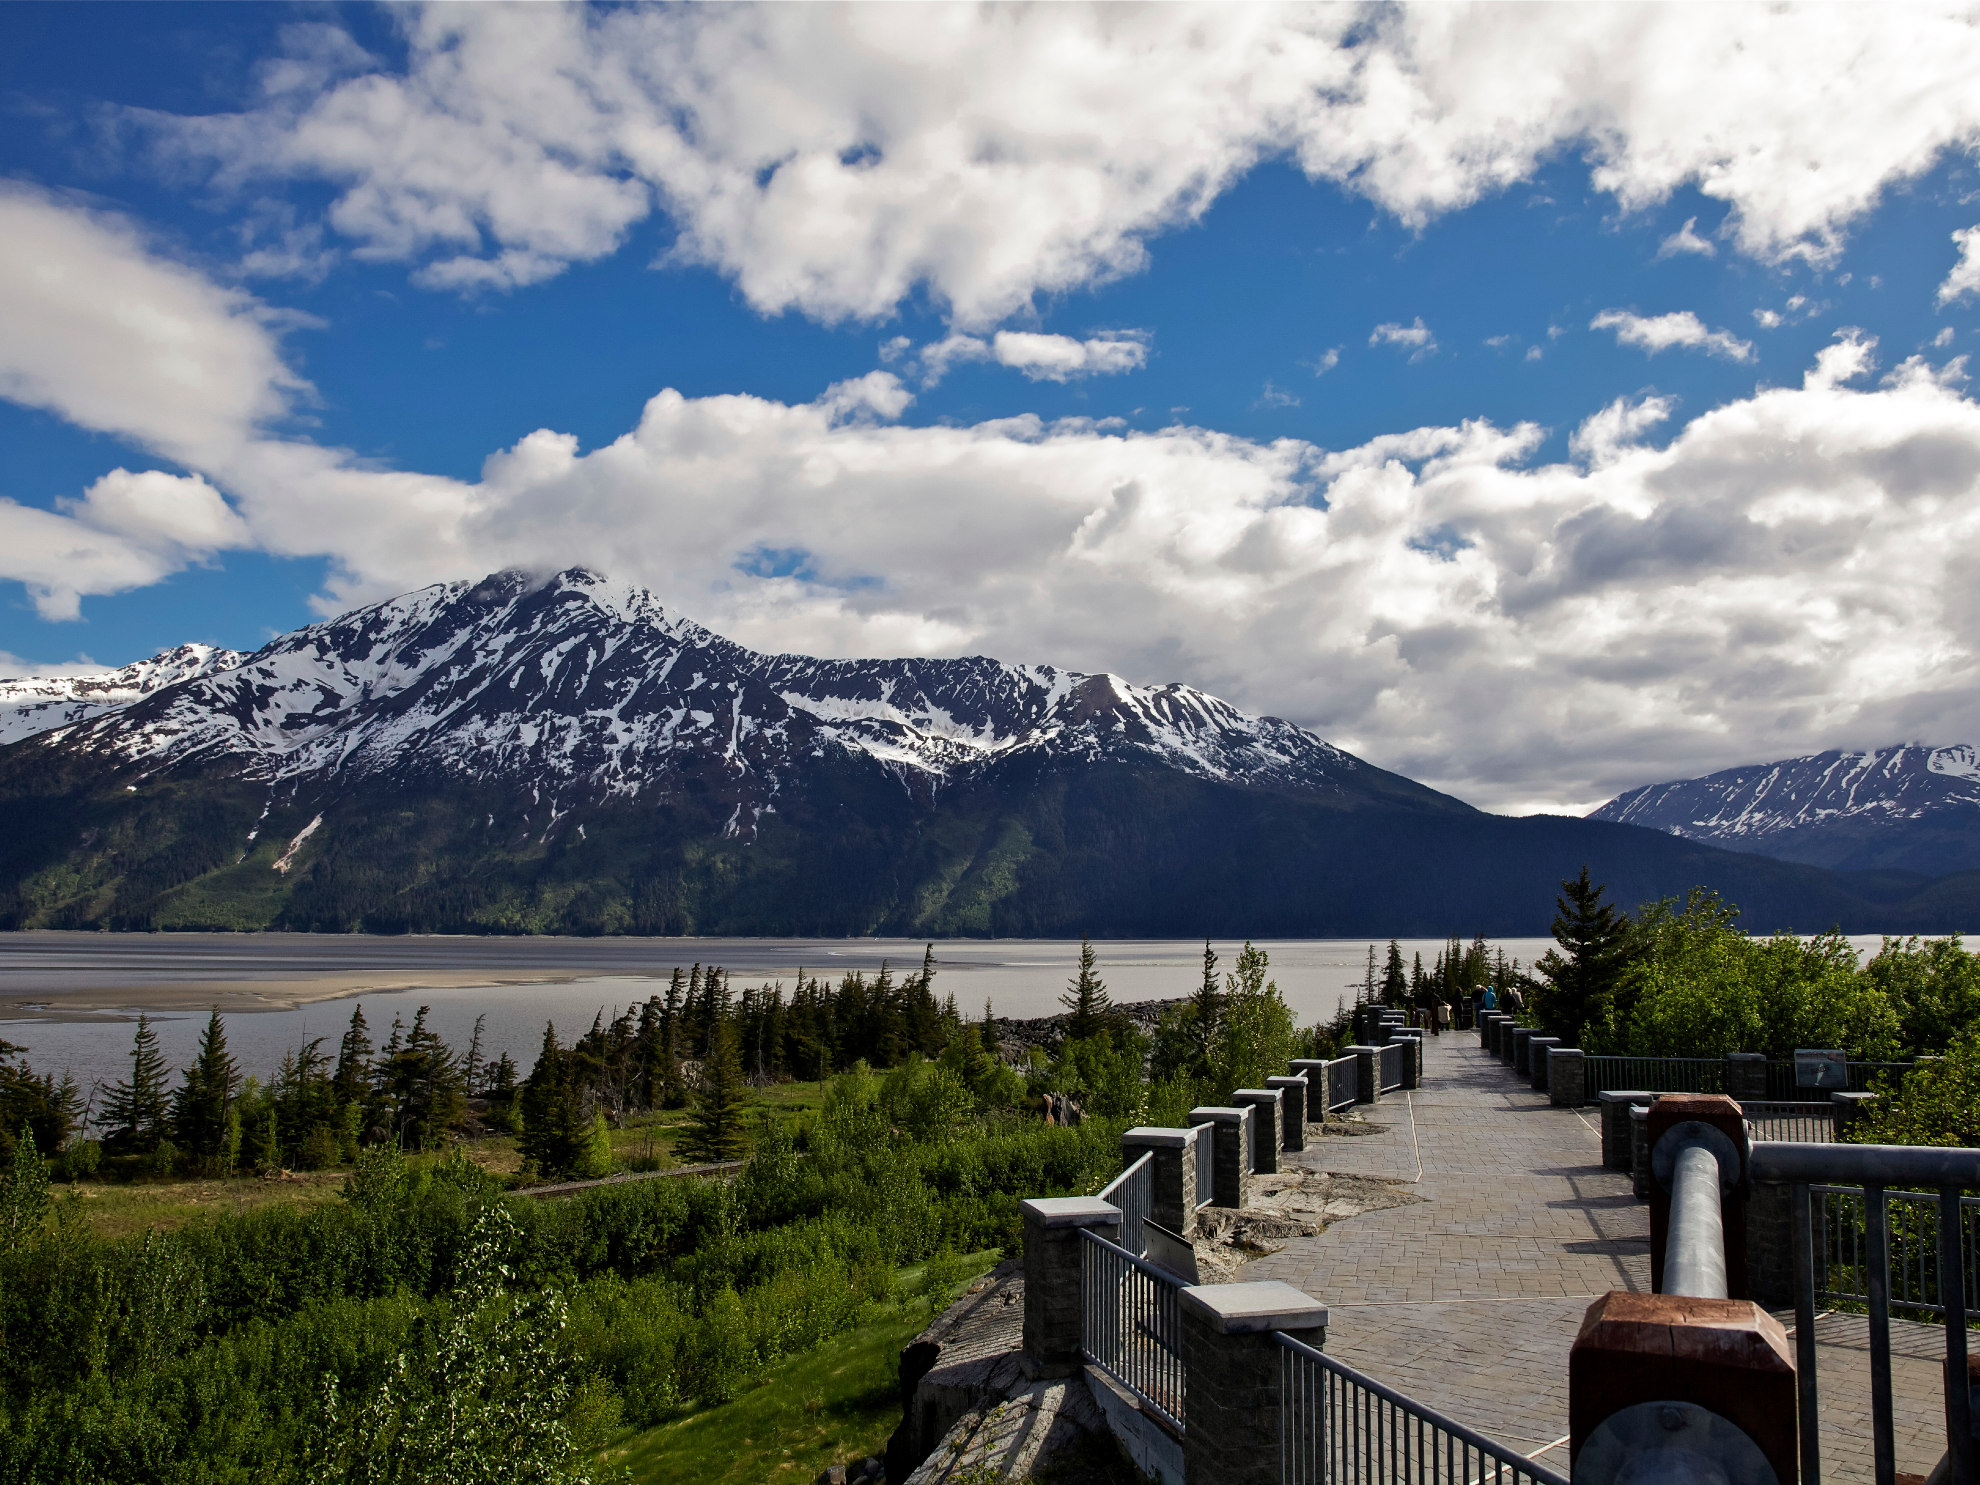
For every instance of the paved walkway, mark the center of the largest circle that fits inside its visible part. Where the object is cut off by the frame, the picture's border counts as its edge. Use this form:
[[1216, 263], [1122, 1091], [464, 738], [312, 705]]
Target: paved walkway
[[1469, 1299]]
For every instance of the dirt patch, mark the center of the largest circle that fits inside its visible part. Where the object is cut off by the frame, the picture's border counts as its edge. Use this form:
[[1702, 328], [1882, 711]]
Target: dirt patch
[[1291, 1204]]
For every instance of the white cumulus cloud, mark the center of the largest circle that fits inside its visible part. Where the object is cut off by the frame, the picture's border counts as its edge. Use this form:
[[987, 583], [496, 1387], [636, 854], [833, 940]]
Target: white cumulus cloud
[[1686, 240], [835, 159], [1682, 330], [1965, 276], [1414, 338]]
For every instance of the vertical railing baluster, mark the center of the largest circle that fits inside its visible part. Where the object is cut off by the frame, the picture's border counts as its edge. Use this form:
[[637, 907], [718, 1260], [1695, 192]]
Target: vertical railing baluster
[[1882, 1434], [1952, 1296], [1804, 1332]]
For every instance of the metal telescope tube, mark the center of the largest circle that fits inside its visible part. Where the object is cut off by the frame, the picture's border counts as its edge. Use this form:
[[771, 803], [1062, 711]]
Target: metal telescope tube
[[1695, 1251]]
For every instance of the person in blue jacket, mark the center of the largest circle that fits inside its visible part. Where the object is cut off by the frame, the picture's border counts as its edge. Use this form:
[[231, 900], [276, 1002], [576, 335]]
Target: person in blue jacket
[[1491, 1000]]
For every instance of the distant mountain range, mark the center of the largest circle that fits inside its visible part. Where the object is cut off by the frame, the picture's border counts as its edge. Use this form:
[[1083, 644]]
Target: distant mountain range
[[1905, 809], [562, 754]]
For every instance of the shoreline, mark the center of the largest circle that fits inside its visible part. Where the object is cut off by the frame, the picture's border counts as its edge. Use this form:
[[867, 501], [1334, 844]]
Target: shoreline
[[98, 1005]]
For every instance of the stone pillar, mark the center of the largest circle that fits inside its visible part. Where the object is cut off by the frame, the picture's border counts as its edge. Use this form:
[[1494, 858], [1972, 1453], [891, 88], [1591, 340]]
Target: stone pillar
[[1537, 1048], [1231, 1397], [1314, 1070], [1653, 1379], [1292, 1116], [1172, 1191], [1521, 1035], [1367, 1073], [1051, 1277], [1567, 1077], [1746, 1077], [1615, 1104], [1482, 1026], [1639, 1149], [1233, 1172], [1268, 1126], [1412, 1068], [1846, 1109]]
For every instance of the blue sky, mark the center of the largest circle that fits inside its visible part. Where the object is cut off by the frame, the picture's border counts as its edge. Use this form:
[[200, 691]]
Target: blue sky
[[1485, 435]]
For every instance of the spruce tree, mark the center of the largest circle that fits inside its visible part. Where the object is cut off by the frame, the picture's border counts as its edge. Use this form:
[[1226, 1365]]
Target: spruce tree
[[1395, 979], [552, 1130], [134, 1113], [715, 1127], [1086, 997], [1206, 1014], [990, 1044], [201, 1105], [1581, 977], [352, 1079]]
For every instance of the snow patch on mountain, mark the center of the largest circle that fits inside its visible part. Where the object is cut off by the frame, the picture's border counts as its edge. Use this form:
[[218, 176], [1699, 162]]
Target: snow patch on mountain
[[1783, 808], [39, 703], [575, 687]]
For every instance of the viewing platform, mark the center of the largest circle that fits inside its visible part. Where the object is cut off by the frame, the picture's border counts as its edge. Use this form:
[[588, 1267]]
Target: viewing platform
[[1469, 1299]]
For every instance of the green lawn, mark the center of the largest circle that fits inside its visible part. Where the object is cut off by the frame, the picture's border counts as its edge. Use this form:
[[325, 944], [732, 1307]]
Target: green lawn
[[835, 1404]]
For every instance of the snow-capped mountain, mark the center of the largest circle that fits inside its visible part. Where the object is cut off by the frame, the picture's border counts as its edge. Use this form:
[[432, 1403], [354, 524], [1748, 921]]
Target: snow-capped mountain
[[580, 689], [31, 704], [1910, 808]]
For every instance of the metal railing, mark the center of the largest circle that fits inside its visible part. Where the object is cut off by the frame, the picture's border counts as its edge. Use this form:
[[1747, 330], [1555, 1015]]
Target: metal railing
[[1342, 1427], [1131, 1324], [1206, 1164], [1341, 1079], [1911, 1224], [1389, 1066], [1654, 1074], [1805, 1123], [1930, 1234], [1133, 1191]]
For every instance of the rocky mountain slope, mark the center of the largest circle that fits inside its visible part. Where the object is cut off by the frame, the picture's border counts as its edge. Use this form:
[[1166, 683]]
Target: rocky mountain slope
[[563, 754], [1907, 808]]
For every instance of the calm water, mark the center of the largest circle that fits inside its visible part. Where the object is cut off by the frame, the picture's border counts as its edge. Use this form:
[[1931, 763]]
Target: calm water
[[1021, 978]]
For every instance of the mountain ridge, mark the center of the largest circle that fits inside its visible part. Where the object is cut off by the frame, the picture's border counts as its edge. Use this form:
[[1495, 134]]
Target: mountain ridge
[[561, 753], [1905, 808]]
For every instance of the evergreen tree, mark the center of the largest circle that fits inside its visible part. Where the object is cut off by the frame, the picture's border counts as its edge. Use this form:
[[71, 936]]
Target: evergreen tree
[[1581, 976], [471, 1069], [553, 1130], [422, 1084], [991, 1046], [352, 1080], [1086, 997], [1206, 1015], [35, 1103], [201, 1105], [1366, 992], [1395, 980], [715, 1127], [134, 1113]]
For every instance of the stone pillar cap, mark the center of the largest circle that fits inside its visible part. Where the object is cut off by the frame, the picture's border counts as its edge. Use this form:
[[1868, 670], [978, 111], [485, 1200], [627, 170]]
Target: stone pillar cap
[[1285, 1081], [1320, 1062], [1565, 1052], [1161, 1139], [1361, 1049], [1746, 1056], [1624, 1095], [1070, 1211], [1256, 1095], [1216, 1114], [1246, 1309], [1852, 1097]]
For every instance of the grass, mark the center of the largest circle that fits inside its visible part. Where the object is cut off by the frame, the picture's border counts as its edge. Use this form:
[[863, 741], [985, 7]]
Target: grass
[[112, 1209], [115, 1209], [835, 1404]]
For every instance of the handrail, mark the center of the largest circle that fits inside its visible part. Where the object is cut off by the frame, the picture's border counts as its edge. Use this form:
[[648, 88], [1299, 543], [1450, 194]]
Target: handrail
[[1794, 1162], [1496, 1462], [1131, 1192]]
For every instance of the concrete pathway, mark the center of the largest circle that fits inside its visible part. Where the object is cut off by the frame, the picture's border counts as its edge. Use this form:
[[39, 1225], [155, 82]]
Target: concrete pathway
[[1470, 1299]]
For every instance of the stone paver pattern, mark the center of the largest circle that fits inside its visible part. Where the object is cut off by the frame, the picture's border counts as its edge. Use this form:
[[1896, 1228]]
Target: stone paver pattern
[[1469, 1299]]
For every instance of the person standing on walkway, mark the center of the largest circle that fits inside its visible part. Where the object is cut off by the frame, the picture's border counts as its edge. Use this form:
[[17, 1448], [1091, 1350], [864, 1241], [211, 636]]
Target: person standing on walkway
[[1491, 1000]]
